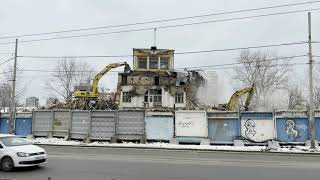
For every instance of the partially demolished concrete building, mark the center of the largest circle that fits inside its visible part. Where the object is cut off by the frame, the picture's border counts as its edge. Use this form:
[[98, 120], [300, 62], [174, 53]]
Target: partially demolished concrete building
[[154, 84]]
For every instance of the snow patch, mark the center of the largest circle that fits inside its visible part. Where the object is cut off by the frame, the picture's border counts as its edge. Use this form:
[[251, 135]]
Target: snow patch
[[162, 145]]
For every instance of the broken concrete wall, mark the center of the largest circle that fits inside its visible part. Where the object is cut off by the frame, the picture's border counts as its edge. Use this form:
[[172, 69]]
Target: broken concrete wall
[[170, 83], [195, 80], [136, 101], [208, 92]]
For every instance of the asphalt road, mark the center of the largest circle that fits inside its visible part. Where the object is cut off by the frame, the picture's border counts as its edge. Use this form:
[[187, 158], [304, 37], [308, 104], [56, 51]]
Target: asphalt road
[[67, 163]]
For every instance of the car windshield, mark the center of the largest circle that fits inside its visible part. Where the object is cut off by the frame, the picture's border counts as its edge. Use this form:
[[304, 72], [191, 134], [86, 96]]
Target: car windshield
[[13, 141]]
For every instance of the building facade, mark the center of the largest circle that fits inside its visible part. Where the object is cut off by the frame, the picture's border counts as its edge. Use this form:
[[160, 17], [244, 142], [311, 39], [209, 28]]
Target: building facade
[[32, 102], [51, 100], [152, 83]]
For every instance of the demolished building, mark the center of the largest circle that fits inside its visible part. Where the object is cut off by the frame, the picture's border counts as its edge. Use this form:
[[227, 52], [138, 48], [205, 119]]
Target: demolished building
[[153, 83]]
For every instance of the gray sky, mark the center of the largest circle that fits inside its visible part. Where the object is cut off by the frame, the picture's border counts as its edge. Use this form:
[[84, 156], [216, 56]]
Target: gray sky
[[36, 16]]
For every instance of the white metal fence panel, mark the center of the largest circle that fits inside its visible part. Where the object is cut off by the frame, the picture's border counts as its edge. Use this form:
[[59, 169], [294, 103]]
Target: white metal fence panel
[[42, 123], [191, 124], [103, 124], [61, 123], [130, 123], [80, 121]]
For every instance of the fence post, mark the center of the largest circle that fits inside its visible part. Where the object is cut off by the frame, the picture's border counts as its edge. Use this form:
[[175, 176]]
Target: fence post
[[70, 125], [239, 124], [275, 133], [50, 134], [32, 122], [89, 128], [114, 139]]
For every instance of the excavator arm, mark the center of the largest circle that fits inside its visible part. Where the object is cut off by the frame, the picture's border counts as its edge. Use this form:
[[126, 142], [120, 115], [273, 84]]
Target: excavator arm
[[93, 92], [94, 88], [235, 97]]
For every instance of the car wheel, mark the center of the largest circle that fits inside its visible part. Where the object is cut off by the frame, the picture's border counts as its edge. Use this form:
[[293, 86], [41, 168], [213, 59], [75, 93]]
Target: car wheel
[[7, 164]]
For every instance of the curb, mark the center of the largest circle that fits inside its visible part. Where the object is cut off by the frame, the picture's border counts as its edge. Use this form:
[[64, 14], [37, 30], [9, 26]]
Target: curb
[[187, 149]]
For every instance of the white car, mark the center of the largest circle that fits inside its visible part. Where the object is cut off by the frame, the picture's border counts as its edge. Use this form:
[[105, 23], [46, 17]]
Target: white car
[[18, 152]]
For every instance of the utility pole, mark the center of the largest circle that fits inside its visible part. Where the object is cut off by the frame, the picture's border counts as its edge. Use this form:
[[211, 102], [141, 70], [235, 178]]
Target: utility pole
[[311, 113], [13, 93]]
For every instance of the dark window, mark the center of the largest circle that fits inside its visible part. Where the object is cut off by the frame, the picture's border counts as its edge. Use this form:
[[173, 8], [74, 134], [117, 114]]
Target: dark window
[[124, 80], [164, 63], [126, 97], [153, 95], [179, 98], [146, 97], [142, 62], [157, 80], [153, 62]]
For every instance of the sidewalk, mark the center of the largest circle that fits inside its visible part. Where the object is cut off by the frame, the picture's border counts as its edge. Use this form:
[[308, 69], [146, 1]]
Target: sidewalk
[[161, 145]]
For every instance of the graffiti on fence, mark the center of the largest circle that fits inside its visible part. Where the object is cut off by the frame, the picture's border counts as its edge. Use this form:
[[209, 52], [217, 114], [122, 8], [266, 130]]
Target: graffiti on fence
[[290, 129], [250, 128]]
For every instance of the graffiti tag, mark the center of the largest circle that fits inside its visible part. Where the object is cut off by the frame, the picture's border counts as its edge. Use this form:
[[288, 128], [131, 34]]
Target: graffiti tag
[[185, 124], [302, 126], [250, 128]]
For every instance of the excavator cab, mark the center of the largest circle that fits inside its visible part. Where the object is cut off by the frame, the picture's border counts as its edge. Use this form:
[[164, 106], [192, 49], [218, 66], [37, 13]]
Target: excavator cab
[[126, 67]]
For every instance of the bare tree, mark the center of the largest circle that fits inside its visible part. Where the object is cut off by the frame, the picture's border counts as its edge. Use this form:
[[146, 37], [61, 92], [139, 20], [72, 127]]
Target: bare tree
[[317, 87], [317, 97], [68, 74], [296, 100], [264, 69], [5, 94], [6, 88]]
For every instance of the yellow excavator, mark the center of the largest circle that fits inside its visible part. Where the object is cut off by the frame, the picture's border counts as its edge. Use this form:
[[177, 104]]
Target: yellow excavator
[[85, 96], [235, 97]]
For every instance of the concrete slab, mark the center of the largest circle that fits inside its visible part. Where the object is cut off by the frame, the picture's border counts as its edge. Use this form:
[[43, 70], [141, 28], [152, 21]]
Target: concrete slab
[[174, 141], [238, 143], [205, 142], [273, 145], [308, 143]]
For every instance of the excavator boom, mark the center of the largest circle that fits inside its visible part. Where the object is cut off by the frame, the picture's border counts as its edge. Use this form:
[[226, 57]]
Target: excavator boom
[[93, 92], [94, 88], [235, 97]]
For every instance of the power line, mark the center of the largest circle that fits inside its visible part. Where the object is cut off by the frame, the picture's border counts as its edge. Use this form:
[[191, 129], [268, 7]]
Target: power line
[[163, 27], [177, 53], [239, 63], [206, 66], [159, 21], [242, 48], [211, 68], [57, 57], [6, 61], [6, 72], [77, 72], [232, 67]]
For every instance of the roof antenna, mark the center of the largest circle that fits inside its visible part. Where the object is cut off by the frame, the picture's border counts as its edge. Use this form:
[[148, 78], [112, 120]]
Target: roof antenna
[[154, 47]]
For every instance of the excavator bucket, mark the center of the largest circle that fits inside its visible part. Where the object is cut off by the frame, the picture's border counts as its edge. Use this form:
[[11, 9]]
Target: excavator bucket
[[126, 67]]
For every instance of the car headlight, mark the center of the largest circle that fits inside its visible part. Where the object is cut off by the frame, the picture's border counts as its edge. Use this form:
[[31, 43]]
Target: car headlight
[[22, 154]]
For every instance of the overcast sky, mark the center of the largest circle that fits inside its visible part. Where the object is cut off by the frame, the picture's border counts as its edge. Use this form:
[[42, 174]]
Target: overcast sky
[[37, 16]]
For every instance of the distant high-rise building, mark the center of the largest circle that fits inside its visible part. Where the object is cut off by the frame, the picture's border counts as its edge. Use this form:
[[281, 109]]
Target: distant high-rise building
[[51, 100], [208, 94], [32, 102]]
